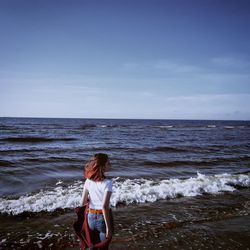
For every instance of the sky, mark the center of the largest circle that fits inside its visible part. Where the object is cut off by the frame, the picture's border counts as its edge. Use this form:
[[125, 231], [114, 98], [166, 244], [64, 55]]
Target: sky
[[140, 59]]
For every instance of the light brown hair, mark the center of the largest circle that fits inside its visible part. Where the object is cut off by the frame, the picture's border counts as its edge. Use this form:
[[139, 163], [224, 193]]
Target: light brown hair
[[94, 168]]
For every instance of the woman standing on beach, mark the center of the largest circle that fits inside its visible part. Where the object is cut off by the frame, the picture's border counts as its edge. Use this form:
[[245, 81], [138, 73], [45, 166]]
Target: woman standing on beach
[[98, 189]]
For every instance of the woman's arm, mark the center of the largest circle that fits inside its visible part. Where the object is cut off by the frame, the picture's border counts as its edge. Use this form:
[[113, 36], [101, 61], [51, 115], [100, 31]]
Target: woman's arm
[[84, 198], [105, 211]]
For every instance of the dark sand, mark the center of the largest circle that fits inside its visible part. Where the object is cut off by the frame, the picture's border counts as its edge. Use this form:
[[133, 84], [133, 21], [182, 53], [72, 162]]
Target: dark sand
[[206, 222]]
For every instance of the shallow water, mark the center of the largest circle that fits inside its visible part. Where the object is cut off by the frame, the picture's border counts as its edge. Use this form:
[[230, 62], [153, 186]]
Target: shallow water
[[177, 184]]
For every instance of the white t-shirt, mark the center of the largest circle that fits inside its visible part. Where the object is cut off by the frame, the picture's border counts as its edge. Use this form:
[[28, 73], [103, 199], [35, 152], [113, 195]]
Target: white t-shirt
[[96, 191]]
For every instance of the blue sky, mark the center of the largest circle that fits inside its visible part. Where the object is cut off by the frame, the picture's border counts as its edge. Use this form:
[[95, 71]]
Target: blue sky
[[179, 59]]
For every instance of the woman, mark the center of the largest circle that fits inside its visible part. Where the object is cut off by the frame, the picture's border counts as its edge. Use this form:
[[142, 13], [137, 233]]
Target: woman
[[98, 189]]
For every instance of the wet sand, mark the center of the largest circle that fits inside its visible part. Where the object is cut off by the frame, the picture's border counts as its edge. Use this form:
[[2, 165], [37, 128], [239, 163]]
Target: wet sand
[[207, 222]]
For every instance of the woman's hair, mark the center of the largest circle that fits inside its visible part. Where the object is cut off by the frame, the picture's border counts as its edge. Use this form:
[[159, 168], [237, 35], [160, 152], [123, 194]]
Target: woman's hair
[[94, 168]]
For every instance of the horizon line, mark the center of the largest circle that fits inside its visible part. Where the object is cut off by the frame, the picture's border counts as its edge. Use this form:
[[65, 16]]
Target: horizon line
[[102, 118]]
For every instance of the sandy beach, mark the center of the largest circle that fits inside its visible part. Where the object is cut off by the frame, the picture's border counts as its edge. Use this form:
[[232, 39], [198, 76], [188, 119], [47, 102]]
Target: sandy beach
[[149, 226]]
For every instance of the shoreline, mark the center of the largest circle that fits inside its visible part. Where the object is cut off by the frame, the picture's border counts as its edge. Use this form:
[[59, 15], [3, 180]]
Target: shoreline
[[195, 235], [205, 222]]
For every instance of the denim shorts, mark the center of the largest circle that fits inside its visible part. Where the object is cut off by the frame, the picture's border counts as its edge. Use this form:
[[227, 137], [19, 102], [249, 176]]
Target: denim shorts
[[96, 221]]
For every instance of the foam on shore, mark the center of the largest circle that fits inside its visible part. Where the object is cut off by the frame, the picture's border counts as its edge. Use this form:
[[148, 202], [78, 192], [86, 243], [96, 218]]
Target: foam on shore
[[125, 191]]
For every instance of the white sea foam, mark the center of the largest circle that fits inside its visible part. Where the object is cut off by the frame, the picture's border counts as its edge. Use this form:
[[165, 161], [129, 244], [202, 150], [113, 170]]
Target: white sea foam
[[229, 127], [164, 126], [103, 126], [125, 191], [211, 126]]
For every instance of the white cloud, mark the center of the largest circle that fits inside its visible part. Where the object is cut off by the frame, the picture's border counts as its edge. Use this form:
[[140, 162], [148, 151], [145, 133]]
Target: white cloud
[[179, 67], [209, 106], [129, 104], [161, 89]]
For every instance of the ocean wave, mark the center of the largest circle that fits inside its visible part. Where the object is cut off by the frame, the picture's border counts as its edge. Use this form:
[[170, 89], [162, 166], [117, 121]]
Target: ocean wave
[[21, 150], [7, 127], [88, 126], [4, 163], [211, 126], [198, 126], [167, 149], [229, 127], [125, 191], [161, 126], [35, 139], [144, 149], [114, 126], [202, 162], [52, 159]]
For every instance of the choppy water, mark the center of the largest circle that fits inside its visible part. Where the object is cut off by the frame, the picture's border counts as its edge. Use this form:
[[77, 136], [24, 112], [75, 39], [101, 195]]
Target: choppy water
[[155, 165]]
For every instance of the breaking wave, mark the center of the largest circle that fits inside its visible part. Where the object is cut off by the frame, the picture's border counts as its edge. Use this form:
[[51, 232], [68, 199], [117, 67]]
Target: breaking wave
[[125, 191]]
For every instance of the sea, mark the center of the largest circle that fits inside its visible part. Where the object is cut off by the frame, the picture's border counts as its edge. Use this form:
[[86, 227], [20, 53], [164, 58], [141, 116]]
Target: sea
[[177, 184]]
